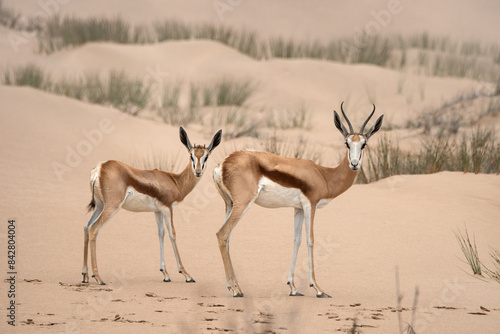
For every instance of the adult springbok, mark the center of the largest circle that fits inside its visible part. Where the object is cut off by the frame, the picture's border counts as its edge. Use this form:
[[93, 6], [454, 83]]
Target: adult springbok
[[272, 181], [115, 185]]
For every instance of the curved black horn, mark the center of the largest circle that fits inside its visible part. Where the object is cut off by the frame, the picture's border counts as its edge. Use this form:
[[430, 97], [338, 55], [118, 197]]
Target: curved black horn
[[351, 130], [366, 122]]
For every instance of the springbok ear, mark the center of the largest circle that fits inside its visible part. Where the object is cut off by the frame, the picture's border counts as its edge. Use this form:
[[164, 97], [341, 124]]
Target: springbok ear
[[184, 138], [376, 127], [339, 125], [215, 141]]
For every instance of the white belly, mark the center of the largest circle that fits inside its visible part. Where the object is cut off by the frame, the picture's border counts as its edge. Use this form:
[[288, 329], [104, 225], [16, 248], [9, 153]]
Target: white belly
[[139, 202], [273, 195]]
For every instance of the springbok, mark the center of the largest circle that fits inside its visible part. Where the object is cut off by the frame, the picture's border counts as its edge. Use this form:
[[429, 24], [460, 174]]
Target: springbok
[[115, 185], [272, 181]]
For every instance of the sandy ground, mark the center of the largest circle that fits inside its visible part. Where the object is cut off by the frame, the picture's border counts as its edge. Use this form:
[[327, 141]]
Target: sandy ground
[[403, 224]]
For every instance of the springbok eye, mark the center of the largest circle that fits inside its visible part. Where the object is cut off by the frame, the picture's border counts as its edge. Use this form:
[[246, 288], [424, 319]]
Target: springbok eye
[[347, 144], [363, 146]]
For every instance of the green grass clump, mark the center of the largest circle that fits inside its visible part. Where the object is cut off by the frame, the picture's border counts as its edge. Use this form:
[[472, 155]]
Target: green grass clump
[[27, 75], [365, 49], [224, 92], [127, 94], [469, 249], [170, 110], [72, 31], [288, 147], [132, 95], [243, 40], [8, 17], [235, 122], [292, 118], [232, 92], [118, 89], [477, 152], [172, 30], [495, 272]]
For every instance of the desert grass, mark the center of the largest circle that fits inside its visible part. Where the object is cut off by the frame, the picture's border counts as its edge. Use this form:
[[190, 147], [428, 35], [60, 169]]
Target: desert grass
[[154, 159], [117, 89], [133, 95], [469, 249], [295, 117], [367, 49], [236, 122], [459, 111], [215, 96], [229, 92], [243, 40], [438, 56], [179, 116], [170, 110], [127, 94], [171, 30], [294, 148], [62, 32], [170, 96], [15, 20], [495, 272], [27, 75], [222, 92], [8, 17], [409, 328], [477, 152]]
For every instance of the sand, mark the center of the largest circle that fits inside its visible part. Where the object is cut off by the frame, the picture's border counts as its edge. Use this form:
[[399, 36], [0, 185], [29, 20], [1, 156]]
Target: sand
[[403, 224]]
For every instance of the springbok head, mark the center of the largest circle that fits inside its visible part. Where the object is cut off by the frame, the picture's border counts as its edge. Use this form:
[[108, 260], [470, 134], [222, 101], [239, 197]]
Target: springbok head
[[199, 154], [356, 141]]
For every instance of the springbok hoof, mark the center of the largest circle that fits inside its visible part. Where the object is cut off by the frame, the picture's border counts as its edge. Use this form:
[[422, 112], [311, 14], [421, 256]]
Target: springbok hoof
[[323, 295], [97, 280], [239, 294], [167, 280], [297, 294], [191, 280], [85, 279]]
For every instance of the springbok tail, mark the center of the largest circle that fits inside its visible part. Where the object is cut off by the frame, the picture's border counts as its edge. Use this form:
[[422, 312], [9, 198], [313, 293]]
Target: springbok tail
[[94, 176], [91, 205]]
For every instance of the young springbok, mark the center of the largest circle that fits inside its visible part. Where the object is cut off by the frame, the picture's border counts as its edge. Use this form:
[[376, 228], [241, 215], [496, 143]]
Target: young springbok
[[271, 181], [115, 185]]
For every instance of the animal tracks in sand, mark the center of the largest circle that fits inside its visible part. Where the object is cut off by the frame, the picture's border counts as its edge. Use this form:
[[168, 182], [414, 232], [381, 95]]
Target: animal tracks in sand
[[84, 287]]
